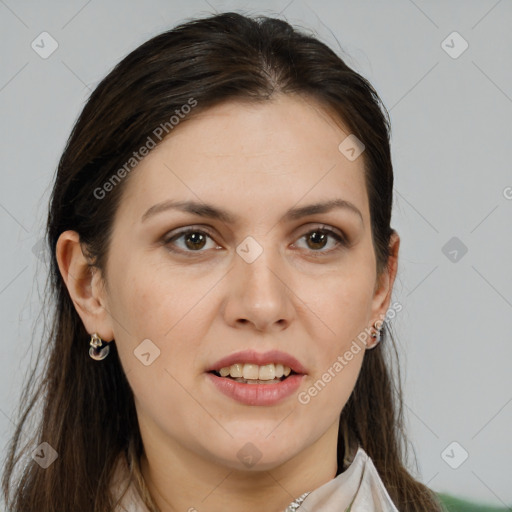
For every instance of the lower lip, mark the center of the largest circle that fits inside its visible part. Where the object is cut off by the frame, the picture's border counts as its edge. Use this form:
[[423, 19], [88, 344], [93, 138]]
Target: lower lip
[[257, 394]]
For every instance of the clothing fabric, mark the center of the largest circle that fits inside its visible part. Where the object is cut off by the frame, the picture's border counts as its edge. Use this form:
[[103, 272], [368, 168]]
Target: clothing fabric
[[357, 489]]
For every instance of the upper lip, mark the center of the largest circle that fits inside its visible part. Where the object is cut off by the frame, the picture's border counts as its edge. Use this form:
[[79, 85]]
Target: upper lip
[[261, 359]]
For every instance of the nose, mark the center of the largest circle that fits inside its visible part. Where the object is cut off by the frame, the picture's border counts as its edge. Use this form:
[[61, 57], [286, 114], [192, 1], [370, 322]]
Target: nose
[[258, 294]]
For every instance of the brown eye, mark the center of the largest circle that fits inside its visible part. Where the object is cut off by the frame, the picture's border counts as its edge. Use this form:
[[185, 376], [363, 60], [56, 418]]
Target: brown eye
[[318, 239], [194, 240]]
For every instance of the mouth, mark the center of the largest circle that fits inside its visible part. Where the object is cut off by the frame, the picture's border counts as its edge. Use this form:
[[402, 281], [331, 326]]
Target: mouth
[[252, 365], [254, 374], [255, 385], [257, 379]]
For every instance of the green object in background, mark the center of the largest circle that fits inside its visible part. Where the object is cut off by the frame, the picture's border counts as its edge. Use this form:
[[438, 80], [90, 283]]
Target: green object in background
[[453, 504]]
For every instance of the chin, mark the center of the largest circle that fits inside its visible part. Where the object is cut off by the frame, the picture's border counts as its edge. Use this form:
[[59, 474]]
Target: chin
[[253, 453], [253, 462]]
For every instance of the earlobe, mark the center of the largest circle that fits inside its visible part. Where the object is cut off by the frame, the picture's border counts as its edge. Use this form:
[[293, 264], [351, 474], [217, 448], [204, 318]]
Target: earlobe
[[84, 285]]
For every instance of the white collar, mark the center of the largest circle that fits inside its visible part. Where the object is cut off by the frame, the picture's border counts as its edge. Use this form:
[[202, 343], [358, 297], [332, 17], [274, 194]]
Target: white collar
[[357, 489]]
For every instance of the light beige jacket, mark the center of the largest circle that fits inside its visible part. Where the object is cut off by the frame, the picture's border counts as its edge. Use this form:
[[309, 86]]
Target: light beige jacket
[[357, 489]]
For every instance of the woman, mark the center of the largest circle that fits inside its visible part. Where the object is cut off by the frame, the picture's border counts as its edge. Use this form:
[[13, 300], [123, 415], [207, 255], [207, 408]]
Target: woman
[[222, 271]]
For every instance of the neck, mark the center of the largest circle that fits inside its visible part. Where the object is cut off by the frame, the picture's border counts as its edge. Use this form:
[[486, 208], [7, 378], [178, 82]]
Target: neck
[[179, 480]]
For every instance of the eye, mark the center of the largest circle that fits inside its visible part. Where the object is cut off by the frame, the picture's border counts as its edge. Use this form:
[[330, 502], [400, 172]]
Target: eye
[[320, 237], [194, 240]]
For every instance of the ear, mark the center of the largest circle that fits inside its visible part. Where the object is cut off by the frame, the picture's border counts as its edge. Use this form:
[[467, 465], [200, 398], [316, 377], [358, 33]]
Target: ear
[[85, 285], [384, 284]]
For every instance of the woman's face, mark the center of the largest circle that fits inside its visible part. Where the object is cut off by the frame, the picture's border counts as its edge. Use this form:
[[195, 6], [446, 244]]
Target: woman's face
[[260, 280]]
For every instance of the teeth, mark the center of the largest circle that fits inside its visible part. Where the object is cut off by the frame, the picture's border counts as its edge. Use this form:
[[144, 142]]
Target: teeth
[[255, 372], [236, 370], [267, 372], [251, 371]]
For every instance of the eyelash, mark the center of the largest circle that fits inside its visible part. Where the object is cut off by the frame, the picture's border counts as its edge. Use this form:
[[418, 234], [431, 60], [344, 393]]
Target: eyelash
[[341, 240]]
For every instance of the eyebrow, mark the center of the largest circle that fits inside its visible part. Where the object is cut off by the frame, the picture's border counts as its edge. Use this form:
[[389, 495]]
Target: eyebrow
[[214, 212]]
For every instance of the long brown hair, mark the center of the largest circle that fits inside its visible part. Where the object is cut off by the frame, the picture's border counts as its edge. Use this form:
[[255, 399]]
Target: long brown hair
[[87, 408]]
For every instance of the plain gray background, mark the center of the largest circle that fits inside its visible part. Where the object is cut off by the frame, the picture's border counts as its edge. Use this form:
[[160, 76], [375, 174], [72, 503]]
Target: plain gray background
[[451, 116]]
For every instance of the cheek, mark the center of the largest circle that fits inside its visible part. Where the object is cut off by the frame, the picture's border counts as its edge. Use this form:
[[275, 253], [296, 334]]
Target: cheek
[[341, 304], [156, 338], [329, 387], [341, 301], [166, 306], [150, 297]]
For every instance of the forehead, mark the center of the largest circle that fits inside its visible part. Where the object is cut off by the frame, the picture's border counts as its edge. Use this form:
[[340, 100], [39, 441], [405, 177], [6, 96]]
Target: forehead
[[253, 155]]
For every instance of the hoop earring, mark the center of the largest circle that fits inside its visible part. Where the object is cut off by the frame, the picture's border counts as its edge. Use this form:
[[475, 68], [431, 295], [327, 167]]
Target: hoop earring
[[376, 337], [95, 350]]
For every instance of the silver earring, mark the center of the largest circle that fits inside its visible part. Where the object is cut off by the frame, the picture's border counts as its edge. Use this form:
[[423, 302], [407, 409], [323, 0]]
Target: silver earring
[[95, 350], [376, 337]]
